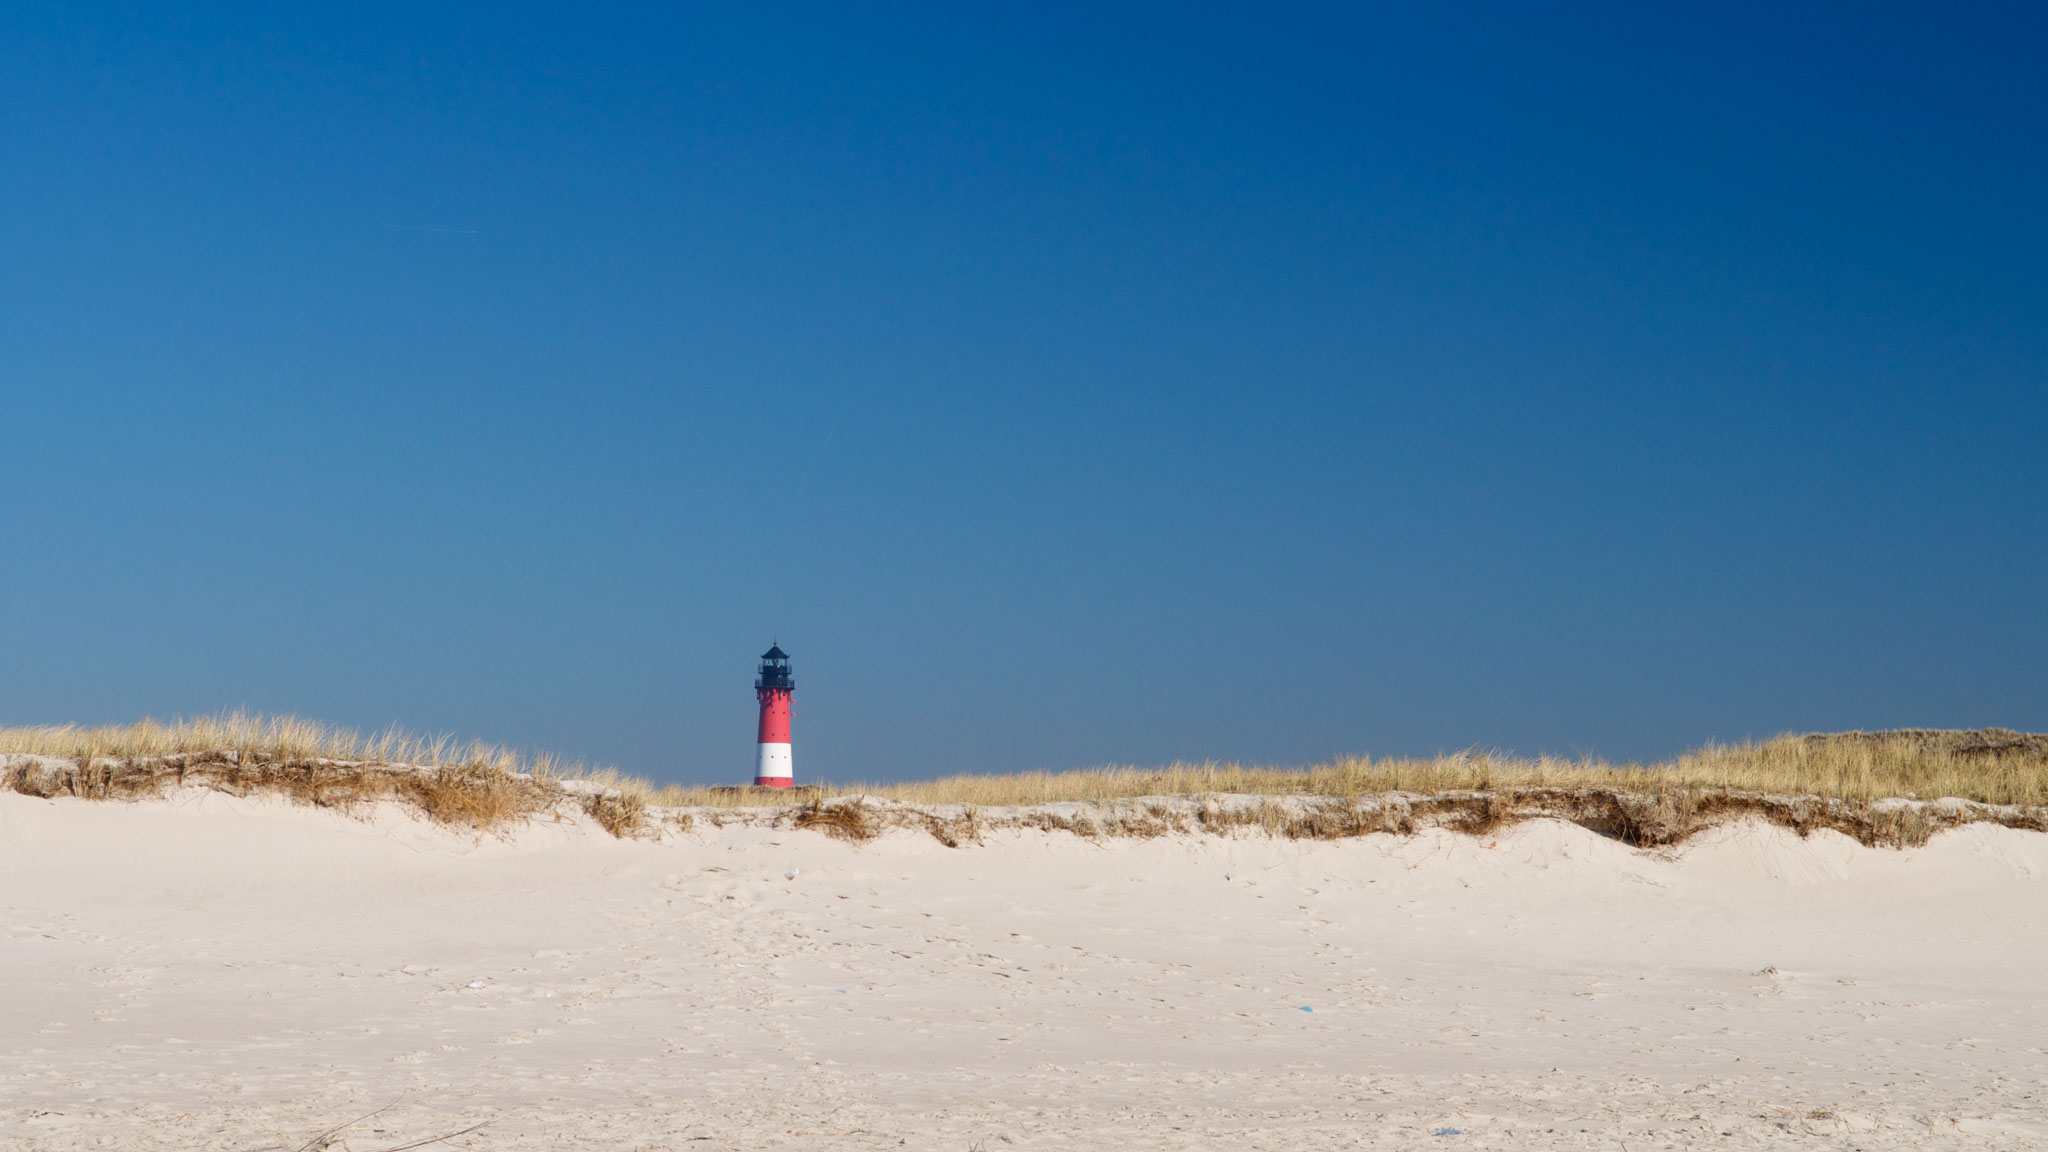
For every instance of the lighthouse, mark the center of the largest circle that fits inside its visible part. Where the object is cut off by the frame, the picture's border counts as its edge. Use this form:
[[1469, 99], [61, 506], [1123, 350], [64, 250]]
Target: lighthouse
[[773, 689]]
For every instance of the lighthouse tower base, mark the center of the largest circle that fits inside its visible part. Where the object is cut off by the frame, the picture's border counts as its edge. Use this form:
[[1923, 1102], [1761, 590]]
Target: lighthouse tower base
[[772, 766]]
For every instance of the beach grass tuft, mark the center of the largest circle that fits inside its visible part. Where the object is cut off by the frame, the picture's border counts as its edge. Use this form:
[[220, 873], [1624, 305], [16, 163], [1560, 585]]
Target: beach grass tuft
[[852, 820]]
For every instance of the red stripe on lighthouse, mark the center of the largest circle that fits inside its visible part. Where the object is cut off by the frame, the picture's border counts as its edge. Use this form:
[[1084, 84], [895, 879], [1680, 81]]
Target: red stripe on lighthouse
[[774, 716]]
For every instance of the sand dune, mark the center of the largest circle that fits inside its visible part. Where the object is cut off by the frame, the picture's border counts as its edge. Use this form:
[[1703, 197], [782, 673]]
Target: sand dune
[[214, 972]]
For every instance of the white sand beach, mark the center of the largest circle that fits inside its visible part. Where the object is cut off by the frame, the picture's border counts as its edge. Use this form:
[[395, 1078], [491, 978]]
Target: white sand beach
[[218, 973]]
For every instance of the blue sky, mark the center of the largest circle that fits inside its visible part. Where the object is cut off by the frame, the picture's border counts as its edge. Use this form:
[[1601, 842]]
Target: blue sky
[[1060, 386]]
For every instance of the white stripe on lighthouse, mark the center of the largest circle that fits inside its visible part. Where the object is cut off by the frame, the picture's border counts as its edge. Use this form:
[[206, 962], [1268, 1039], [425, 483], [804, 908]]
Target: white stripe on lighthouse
[[772, 762]]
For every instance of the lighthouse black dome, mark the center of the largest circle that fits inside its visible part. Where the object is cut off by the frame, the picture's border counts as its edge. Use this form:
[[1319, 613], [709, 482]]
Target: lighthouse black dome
[[775, 675]]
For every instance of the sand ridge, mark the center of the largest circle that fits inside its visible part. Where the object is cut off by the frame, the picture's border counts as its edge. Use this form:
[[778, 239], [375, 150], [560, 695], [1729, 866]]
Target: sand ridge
[[215, 972]]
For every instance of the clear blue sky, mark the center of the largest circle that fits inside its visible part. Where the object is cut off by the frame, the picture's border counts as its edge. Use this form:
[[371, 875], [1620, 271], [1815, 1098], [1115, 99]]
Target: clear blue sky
[[1060, 386]]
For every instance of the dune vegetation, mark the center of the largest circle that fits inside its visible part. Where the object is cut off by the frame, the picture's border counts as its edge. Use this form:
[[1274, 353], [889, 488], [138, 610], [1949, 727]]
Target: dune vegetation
[[1875, 786], [1993, 766]]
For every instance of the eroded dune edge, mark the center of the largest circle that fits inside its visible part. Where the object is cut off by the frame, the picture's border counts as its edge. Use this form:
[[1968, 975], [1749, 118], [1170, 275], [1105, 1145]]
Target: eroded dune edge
[[1640, 809]]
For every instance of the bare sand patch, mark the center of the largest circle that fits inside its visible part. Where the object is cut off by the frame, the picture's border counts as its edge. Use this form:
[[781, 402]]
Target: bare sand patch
[[243, 972]]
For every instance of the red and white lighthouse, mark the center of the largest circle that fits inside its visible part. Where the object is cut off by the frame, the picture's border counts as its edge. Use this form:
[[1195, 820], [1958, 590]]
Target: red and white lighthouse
[[773, 689]]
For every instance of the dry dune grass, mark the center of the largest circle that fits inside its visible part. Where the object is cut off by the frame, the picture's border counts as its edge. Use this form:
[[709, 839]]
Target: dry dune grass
[[461, 795], [1992, 766], [1866, 785], [273, 738], [1638, 818], [622, 814], [853, 820], [475, 785], [1851, 782]]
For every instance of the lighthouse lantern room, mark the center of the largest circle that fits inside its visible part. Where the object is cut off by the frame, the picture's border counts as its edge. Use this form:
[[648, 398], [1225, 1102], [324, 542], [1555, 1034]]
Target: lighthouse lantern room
[[773, 688]]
